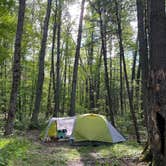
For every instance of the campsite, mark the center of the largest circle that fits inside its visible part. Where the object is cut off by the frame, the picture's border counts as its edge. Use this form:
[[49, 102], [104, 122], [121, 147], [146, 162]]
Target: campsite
[[29, 149], [82, 83]]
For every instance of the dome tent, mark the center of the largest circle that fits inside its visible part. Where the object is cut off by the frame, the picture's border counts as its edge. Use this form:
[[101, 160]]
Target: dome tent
[[86, 127], [95, 127]]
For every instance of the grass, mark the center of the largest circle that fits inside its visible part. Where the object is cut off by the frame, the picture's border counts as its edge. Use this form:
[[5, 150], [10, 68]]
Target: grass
[[19, 151]]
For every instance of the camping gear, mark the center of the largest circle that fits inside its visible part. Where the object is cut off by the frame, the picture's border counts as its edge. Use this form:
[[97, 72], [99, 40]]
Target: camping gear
[[52, 132], [86, 127], [61, 134], [63, 125]]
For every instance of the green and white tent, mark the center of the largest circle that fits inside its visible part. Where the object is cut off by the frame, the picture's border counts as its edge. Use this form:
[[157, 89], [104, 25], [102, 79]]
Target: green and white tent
[[86, 127]]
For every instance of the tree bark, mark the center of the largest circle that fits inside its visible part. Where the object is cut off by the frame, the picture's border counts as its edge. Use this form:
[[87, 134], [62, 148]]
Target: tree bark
[[16, 70], [52, 51], [143, 53], [65, 70], [98, 77], [77, 55], [133, 72], [39, 88], [157, 82], [57, 90], [91, 86], [121, 83]]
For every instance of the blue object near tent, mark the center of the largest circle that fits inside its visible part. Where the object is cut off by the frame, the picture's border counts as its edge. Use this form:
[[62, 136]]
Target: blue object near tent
[[62, 134]]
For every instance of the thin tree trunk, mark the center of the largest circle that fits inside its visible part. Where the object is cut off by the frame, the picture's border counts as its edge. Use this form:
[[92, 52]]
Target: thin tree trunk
[[57, 90], [91, 86], [133, 74], [121, 85], [39, 88], [137, 87], [64, 85], [125, 72], [77, 55], [33, 85], [65, 71], [52, 51], [98, 78], [104, 52], [134, 65], [49, 97], [52, 71], [16, 70], [143, 52], [5, 90]]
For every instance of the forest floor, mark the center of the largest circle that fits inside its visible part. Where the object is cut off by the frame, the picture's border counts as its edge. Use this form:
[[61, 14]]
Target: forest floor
[[27, 150]]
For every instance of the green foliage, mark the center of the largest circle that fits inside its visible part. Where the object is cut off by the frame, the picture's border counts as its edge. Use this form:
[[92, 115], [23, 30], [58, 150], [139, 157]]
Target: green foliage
[[20, 151], [7, 28], [12, 149], [81, 109]]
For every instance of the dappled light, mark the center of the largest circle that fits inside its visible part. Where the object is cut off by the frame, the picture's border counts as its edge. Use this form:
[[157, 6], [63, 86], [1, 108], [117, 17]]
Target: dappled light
[[82, 82], [21, 151]]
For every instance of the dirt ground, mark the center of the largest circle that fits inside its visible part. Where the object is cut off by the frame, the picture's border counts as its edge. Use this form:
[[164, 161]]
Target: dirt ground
[[51, 148]]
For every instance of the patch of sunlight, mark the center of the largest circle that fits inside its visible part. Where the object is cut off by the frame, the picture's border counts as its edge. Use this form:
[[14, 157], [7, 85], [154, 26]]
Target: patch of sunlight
[[120, 150], [12, 149], [4, 142], [68, 153], [73, 154]]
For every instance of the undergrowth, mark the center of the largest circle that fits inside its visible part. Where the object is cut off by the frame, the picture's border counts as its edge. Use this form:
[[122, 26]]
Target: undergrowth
[[23, 152]]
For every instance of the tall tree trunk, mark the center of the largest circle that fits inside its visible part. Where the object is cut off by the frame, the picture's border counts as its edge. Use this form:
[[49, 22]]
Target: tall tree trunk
[[77, 55], [121, 86], [16, 70], [125, 71], [64, 83], [49, 97], [5, 90], [53, 49], [57, 88], [137, 87], [33, 83], [91, 86], [143, 53], [134, 66], [52, 72], [104, 52], [98, 77], [133, 74], [65, 71], [157, 82], [39, 88]]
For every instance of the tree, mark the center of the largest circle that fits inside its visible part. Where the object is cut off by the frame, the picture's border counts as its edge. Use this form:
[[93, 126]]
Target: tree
[[57, 90], [52, 70], [157, 82], [125, 71], [104, 53], [40, 80], [77, 55], [90, 63], [16, 69], [143, 51]]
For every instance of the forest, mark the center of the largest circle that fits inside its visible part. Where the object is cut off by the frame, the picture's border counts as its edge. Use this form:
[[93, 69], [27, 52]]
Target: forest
[[65, 58]]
